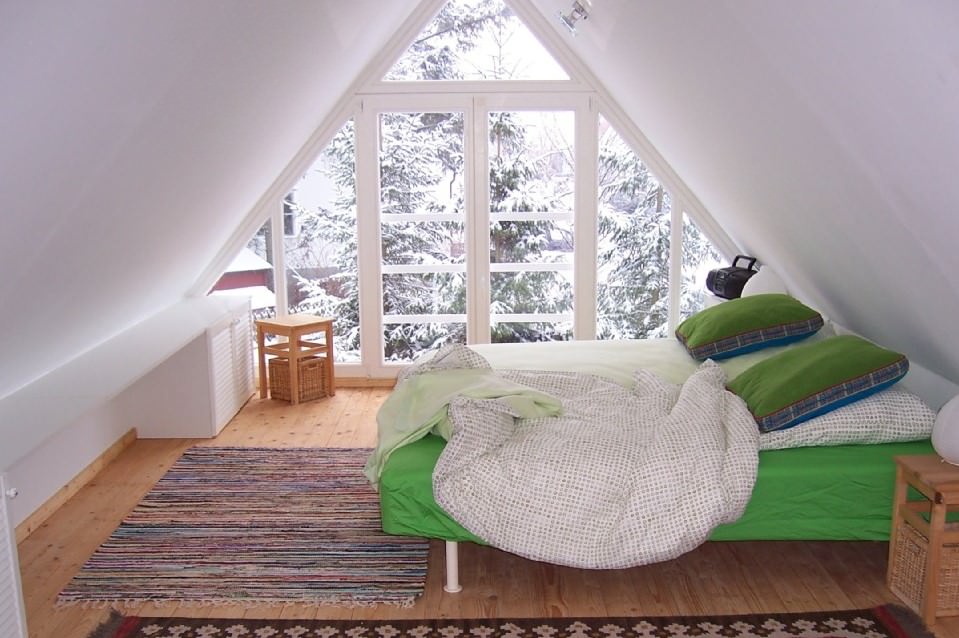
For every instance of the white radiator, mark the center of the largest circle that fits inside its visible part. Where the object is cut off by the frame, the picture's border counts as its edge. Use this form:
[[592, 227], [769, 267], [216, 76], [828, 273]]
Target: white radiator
[[13, 622]]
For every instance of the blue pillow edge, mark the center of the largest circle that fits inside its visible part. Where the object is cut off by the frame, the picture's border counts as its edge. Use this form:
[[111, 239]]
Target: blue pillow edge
[[794, 331], [753, 347], [781, 419]]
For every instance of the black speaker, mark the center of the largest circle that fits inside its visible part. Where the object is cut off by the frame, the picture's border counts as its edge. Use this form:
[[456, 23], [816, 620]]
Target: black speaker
[[728, 282]]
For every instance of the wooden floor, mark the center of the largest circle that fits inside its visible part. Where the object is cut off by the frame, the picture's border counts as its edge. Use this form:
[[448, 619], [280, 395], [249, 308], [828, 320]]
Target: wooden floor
[[731, 577]]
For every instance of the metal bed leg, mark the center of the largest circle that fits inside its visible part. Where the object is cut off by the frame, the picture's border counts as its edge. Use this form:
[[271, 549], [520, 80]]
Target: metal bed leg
[[452, 585]]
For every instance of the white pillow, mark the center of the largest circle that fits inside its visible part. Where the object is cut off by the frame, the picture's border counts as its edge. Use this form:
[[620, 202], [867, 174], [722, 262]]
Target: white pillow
[[765, 281], [895, 414]]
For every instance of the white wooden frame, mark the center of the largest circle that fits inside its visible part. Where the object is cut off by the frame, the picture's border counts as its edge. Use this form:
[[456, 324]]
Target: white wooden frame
[[476, 106], [368, 87]]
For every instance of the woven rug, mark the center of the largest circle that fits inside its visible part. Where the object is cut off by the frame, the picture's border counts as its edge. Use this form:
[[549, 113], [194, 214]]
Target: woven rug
[[879, 622], [255, 526]]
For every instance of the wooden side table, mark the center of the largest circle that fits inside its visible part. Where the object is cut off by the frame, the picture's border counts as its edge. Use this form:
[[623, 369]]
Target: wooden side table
[[923, 565], [295, 328]]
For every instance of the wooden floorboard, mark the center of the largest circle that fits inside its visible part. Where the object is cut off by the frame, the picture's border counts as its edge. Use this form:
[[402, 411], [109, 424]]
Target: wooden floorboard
[[728, 577]]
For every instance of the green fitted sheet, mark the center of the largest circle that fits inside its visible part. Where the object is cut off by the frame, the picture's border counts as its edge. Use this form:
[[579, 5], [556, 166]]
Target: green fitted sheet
[[816, 493]]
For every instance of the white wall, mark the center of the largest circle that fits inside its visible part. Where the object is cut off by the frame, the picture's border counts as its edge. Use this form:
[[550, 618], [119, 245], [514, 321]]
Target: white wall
[[154, 375], [48, 467], [136, 136]]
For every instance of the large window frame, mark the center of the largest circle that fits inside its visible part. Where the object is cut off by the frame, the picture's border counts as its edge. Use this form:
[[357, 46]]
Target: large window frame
[[476, 100], [476, 107], [370, 87]]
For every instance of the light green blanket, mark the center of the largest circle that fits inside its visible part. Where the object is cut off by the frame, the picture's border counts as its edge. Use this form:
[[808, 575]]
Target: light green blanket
[[419, 405]]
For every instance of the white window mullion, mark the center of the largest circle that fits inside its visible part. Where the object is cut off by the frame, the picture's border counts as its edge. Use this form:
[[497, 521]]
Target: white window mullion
[[425, 319], [401, 218], [530, 217], [585, 224], [675, 261], [369, 255], [555, 317], [279, 259], [477, 226], [531, 266], [419, 269]]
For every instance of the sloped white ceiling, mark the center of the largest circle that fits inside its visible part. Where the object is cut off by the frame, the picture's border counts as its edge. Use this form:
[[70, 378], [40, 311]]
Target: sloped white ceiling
[[823, 136], [136, 136]]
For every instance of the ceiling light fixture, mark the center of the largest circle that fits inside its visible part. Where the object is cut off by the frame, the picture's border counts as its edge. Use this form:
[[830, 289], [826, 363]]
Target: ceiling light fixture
[[579, 11]]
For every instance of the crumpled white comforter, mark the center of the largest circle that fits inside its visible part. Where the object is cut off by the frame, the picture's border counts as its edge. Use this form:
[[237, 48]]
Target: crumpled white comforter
[[622, 477]]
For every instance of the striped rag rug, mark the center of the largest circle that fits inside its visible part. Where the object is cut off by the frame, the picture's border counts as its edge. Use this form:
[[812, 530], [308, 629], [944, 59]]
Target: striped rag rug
[[255, 526]]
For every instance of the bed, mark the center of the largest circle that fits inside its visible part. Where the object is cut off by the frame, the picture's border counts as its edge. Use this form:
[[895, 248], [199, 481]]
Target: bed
[[814, 492]]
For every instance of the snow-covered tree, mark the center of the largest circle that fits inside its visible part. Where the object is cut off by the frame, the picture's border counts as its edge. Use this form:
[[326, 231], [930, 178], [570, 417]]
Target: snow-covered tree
[[633, 251], [337, 294], [518, 186]]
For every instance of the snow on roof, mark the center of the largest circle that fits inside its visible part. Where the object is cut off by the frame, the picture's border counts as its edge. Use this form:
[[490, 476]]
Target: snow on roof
[[248, 260], [260, 296]]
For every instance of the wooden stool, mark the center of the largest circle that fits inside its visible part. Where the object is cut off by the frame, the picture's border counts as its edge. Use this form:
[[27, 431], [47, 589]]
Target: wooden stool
[[923, 565], [295, 348]]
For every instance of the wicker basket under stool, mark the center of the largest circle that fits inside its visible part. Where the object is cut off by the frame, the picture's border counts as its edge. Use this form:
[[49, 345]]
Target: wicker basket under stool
[[907, 574], [312, 379]]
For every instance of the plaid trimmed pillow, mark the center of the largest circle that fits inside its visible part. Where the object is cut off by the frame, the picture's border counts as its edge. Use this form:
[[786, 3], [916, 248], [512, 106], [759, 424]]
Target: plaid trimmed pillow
[[742, 325], [813, 379]]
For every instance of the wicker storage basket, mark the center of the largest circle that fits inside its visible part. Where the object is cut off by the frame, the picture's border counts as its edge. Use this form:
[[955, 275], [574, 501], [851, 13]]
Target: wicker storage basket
[[907, 574], [312, 379]]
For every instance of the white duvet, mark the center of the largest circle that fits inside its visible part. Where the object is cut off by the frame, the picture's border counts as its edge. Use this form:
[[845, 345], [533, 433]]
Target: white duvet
[[623, 477]]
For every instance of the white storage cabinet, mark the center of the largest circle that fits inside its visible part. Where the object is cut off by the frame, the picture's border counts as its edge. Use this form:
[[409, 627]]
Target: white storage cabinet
[[196, 392]]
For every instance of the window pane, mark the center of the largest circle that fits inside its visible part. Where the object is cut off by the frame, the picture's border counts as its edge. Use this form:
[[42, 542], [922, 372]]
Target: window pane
[[424, 294], [699, 257], [476, 40], [421, 163], [531, 292], [423, 243], [531, 162], [404, 341], [633, 250], [423, 258], [531, 176], [543, 242], [321, 255], [250, 274]]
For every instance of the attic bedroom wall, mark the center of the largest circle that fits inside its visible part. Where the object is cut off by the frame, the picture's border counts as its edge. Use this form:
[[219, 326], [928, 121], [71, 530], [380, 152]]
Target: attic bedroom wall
[[137, 135], [821, 136]]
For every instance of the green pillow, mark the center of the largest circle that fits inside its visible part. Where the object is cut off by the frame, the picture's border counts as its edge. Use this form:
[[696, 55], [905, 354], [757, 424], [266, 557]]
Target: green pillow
[[742, 325], [815, 378]]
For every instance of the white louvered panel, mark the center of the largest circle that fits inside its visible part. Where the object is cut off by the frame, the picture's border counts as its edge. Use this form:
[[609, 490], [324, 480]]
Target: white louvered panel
[[243, 353], [13, 622], [222, 374]]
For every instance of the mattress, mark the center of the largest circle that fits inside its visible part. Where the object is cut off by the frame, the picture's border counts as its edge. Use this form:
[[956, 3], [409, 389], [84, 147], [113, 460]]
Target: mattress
[[813, 493]]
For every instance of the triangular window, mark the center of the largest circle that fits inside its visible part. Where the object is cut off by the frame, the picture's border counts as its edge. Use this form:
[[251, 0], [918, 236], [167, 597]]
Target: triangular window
[[699, 257], [476, 40], [633, 248]]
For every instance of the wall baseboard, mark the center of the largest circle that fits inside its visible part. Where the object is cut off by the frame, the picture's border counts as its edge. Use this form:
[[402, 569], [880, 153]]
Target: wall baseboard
[[364, 382], [42, 513]]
